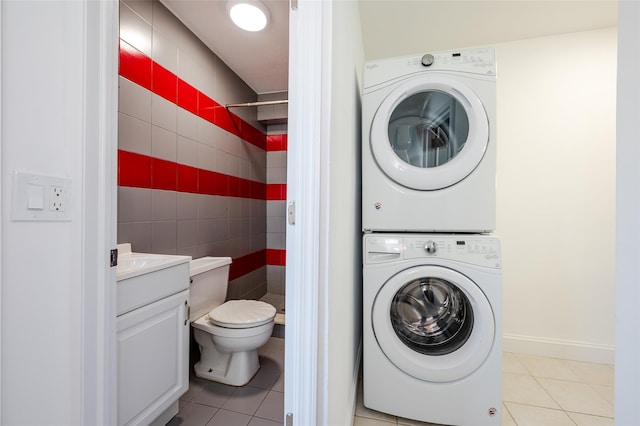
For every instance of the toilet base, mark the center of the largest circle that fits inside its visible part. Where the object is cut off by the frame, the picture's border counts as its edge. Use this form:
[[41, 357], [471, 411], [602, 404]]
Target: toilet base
[[235, 369], [228, 355]]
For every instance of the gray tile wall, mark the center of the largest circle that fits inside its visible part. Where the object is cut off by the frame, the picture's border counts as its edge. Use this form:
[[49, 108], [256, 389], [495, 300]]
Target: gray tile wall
[[276, 213], [174, 222]]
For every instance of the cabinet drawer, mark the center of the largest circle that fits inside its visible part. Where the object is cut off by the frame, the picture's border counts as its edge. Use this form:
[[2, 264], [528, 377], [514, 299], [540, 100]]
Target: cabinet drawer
[[140, 290]]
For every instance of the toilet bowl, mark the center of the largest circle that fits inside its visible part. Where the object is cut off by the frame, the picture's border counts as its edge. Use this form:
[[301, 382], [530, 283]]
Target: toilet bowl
[[228, 334]]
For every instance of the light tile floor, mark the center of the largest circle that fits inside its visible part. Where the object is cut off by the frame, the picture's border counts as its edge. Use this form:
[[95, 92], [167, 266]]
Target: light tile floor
[[259, 403], [538, 391]]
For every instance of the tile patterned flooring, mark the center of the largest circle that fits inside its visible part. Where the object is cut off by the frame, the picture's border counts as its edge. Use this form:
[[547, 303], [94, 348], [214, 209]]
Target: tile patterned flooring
[[537, 391], [259, 403]]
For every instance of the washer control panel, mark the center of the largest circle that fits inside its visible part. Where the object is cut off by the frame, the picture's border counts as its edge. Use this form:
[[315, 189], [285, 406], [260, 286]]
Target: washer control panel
[[481, 250]]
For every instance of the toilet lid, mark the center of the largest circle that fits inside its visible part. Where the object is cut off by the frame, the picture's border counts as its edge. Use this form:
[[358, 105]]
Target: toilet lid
[[242, 314]]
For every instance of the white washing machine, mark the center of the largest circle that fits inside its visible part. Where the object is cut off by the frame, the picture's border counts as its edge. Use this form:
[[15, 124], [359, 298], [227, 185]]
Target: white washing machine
[[429, 143], [432, 327]]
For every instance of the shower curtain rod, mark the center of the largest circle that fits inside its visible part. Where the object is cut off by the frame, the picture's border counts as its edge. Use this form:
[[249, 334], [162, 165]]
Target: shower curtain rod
[[255, 104]]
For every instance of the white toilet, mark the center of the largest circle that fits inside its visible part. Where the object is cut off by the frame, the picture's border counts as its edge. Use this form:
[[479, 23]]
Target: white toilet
[[228, 333]]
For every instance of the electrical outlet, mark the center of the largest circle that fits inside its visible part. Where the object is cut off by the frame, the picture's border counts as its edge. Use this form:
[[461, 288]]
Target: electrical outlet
[[42, 198], [57, 198]]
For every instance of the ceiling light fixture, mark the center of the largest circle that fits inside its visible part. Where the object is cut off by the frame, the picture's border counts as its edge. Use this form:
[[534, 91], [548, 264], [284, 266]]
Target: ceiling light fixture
[[250, 15]]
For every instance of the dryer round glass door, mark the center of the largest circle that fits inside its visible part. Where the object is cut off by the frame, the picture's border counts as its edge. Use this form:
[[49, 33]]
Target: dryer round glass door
[[433, 323], [429, 133]]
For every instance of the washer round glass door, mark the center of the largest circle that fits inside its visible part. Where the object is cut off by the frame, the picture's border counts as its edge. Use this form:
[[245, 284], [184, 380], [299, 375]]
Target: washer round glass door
[[429, 133], [433, 323]]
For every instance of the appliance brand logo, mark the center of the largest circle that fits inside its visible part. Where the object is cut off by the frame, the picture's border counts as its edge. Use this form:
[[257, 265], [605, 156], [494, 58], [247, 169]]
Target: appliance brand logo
[[377, 206]]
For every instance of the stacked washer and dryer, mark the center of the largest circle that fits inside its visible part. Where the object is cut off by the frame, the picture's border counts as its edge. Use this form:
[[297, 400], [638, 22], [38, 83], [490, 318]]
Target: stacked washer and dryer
[[432, 277]]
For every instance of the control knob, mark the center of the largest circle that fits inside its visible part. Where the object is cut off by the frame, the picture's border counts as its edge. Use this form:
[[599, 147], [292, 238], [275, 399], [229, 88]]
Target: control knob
[[427, 60], [430, 247]]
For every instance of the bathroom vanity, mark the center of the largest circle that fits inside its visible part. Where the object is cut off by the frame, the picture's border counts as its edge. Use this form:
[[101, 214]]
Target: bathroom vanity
[[152, 301]]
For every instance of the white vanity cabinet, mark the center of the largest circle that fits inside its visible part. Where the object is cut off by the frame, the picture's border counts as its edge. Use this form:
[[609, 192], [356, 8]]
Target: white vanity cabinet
[[153, 358], [152, 336]]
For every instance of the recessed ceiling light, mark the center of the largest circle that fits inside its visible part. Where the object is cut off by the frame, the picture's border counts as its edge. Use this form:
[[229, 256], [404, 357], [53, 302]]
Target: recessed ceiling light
[[250, 15]]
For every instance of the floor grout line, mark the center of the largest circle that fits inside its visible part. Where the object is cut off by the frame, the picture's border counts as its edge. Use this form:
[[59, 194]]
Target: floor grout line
[[370, 418], [528, 371]]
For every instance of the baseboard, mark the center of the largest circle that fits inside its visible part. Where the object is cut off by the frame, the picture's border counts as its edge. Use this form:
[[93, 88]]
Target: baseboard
[[577, 351], [353, 392]]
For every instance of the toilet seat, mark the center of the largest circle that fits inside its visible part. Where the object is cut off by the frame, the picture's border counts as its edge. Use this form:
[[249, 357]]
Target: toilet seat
[[242, 314]]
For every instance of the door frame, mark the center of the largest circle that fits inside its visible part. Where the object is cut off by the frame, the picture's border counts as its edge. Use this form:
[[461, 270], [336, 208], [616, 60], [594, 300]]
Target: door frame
[[306, 118], [99, 219], [306, 56]]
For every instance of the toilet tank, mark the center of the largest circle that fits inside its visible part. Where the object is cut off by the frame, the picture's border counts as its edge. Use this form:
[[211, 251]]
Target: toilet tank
[[209, 281]]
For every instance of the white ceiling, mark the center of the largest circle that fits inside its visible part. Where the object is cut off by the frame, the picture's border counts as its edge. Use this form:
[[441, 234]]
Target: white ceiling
[[389, 28], [261, 59]]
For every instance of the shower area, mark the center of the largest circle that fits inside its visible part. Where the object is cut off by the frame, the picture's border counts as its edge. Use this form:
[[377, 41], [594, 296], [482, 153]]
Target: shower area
[[201, 156]]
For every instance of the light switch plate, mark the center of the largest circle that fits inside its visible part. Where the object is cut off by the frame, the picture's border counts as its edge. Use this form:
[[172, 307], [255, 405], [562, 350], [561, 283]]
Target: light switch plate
[[39, 197], [35, 197]]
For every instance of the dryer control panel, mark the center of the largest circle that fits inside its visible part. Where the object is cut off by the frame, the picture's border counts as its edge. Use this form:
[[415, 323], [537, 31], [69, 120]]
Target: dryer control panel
[[478, 61], [481, 250]]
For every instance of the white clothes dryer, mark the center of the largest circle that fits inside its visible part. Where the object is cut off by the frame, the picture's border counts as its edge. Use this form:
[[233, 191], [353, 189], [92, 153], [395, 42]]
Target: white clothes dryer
[[429, 143], [432, 327]]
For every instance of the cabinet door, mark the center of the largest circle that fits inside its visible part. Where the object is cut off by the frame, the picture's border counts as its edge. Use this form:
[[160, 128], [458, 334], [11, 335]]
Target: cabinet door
[[153, 357]]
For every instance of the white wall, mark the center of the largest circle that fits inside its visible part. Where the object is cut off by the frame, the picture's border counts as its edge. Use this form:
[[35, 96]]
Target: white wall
[[39, 134], [345, 252], [627, 380], [340, 314], [58, 118], [556, 193]]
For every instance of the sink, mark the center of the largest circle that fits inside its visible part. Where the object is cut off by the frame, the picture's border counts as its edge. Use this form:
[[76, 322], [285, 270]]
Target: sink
[[137, 263], [143, 278], [133, 264]]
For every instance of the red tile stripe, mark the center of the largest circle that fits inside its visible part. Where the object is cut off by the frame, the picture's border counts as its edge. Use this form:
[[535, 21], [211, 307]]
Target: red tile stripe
[[142, 70], [246, 264], [276, 257], [135, 65], [134, 169], [276, 191], [277, 142], [142, 171], [164, 83], [249, 263], [187, 97]]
